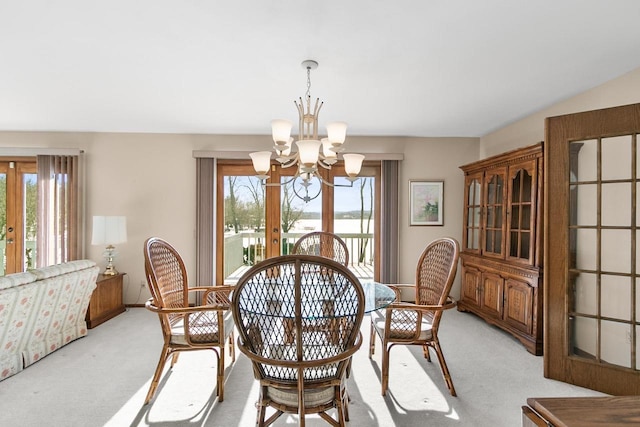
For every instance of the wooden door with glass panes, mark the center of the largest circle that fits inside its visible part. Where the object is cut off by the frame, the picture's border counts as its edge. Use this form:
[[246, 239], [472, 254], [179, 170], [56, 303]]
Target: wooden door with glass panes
[[495, 192], [18, 198], [472, 212], [521, 208], [592, 256]]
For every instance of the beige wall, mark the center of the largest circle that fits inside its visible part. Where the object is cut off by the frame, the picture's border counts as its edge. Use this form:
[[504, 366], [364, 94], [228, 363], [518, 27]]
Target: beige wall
[[150, 178], [621, 91]]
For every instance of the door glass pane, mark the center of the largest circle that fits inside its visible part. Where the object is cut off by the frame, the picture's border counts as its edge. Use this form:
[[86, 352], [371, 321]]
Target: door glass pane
[[615, 247], [30, 190], [473, 238], [616, 294], [244, 220], [585, 258], [585, 291], [526, 186], [515, 217], [354, 218], [584, 160], [525, 244], [615, 347], [516, 188], [583, 204], [618, 195], [616, 158], [298, 217], [583, 336], [475, 190]]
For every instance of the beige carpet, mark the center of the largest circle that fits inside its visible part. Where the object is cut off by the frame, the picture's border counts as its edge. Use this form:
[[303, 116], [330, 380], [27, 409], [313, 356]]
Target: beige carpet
[[102, 380]]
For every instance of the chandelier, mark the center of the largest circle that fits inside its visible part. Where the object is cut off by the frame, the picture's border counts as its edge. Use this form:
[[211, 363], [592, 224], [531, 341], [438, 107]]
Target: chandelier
[[311, 152]]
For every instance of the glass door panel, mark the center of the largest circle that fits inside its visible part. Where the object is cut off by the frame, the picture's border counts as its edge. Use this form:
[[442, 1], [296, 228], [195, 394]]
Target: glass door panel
[[28, 240], [354, 221], [522, 203], [473, 202], [495, 193], [244, 222], [298, 217]]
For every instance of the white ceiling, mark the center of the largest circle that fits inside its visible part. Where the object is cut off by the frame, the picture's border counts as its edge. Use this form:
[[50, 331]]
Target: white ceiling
[[405, 68]]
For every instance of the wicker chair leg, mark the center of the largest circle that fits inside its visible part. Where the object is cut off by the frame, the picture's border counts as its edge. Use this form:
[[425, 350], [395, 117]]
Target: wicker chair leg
[[385, 368], [156, 376], [443, 367], [345, 404], [425, 351], [372, 341], [221, 374], [261, 414], [174, 359], [232, 349]]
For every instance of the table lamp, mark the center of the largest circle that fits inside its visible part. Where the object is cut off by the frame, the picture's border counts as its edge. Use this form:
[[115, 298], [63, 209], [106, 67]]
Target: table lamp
[[109, 231]]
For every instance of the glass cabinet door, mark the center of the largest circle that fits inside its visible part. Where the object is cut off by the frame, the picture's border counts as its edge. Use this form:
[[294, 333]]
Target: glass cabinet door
[[494, 193], [472, 212], [521, 221]]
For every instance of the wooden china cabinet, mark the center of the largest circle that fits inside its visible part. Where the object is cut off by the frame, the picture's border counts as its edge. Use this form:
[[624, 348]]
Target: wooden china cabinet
[[502, 243]]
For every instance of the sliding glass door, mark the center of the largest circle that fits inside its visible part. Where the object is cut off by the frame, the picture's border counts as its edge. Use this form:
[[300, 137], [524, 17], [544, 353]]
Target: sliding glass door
[[258, 222]]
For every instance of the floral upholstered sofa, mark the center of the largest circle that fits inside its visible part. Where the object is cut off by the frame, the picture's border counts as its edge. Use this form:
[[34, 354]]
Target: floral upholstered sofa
[[42, 310]]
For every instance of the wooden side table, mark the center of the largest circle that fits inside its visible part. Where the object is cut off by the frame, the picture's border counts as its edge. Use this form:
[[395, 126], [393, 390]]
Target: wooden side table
[[106, 300], [596, 411]]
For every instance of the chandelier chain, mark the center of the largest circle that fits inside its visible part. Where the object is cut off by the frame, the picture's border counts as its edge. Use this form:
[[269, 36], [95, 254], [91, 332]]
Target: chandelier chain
[[308, 94]]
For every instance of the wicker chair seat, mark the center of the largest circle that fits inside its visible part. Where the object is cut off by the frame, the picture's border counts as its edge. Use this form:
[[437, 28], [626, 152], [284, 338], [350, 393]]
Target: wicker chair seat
[[403, 328], [312, 397], [203, 328]]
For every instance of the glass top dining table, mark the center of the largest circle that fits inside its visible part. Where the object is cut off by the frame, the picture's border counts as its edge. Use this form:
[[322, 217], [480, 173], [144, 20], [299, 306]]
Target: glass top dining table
[[376, 296]]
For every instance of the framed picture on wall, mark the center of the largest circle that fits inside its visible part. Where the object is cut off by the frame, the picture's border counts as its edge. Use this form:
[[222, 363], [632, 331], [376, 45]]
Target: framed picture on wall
[[426, 202]]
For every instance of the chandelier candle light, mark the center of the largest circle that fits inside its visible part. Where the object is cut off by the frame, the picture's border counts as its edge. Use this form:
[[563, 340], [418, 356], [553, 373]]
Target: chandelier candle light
[[311, 151]]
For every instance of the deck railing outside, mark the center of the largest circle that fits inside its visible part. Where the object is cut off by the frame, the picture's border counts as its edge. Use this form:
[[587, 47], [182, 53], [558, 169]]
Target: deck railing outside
[[245, 249]]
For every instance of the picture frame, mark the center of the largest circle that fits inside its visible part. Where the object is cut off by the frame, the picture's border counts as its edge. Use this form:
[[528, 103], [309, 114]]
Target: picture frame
[[426, 202]]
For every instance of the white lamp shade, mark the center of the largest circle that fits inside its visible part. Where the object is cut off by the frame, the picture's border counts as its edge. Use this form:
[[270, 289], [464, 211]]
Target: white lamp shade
[[281, 130], [337, 132], [308, 149], [352, 163], [109, 230], [326, 149], [261, 161]]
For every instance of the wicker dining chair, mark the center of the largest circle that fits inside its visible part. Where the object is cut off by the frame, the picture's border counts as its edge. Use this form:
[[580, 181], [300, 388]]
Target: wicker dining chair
[[417, 323], [203, 327], [325, 244], [300, 368]]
